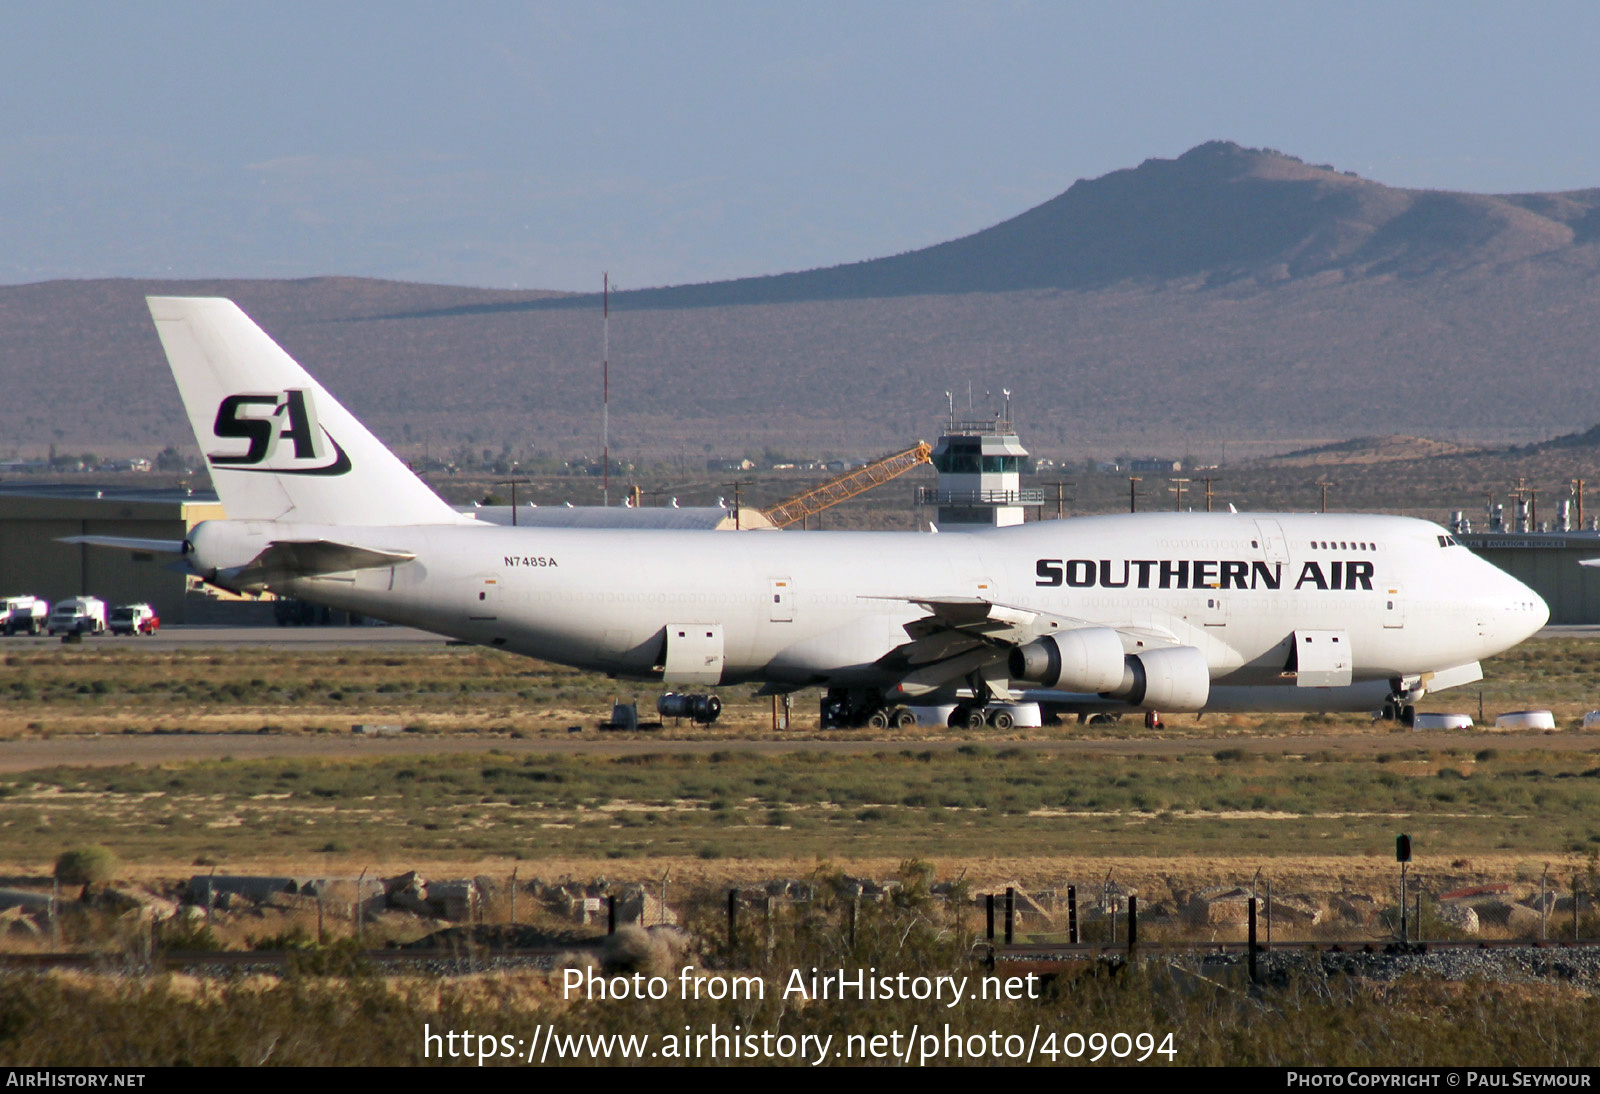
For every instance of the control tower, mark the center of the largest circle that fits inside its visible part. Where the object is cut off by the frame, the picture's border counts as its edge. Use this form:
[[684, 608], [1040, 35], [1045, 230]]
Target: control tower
[[980, 474]]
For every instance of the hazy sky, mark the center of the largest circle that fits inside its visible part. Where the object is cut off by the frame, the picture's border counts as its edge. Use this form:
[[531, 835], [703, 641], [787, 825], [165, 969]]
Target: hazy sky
[[535, 144]]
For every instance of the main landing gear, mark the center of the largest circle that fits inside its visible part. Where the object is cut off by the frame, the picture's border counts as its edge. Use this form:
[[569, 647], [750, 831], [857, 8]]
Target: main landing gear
[[978, 715], [844, 708], [856, 709]]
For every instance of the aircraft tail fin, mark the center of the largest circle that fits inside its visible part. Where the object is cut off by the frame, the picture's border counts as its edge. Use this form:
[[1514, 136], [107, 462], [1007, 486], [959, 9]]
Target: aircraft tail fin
[[279, 446]]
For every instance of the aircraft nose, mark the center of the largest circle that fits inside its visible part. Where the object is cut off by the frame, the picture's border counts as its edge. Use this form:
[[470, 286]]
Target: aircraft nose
[[1523, 611], [1541, 614]]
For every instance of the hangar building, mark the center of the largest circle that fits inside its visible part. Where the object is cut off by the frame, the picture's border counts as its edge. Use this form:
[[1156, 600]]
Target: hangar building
[[33, 517]]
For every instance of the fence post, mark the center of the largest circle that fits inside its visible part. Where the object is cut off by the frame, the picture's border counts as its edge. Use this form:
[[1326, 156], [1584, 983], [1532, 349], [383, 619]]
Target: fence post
[[611, 913], [1269, 913], [733, 921], [1252, 943], [1405, 933], [1011, 913], [989, 932], [1133, 925], [1072, 914]]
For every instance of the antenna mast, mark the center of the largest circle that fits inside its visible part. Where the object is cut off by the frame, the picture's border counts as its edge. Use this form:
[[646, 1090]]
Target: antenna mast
[[605, 389]]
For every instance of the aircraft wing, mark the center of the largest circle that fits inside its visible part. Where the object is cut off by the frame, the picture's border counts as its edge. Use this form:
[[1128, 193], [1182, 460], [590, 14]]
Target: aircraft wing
[[962, 635], [958, 623]]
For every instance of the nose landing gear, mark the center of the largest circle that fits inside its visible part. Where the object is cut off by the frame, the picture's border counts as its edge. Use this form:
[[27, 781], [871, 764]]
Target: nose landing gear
[[1397, 711], [1401, 705]]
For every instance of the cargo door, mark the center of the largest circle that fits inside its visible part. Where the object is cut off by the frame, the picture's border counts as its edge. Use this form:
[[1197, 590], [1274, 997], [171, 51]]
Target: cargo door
[[782, 600], [1321, 659], [483, 601], [1214, 611], [694, 654]]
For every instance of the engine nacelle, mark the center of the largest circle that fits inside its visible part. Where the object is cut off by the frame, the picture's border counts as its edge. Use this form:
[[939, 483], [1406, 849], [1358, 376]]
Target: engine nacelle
[[1089, 659], [701, 709], [1175, 678]]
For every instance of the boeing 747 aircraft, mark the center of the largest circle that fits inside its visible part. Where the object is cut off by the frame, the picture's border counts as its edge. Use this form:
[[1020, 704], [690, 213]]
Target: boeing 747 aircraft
[[1147, 612]]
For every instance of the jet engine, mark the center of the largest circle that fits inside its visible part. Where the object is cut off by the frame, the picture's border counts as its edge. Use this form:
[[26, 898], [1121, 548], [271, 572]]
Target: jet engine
[[1089, 659], [701, 709], [1174, 678]]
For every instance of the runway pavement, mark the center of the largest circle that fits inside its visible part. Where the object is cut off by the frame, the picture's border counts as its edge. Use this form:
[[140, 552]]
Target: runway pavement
[[183, 636]]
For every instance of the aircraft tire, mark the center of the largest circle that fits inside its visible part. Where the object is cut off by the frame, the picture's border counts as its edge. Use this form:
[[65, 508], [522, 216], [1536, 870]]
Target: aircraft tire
[[904, 719], [878, 719], [975, 718], [1002, 719]]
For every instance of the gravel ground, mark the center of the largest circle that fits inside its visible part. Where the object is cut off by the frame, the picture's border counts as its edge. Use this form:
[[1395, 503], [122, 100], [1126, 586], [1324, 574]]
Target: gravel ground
[[1521, 964]]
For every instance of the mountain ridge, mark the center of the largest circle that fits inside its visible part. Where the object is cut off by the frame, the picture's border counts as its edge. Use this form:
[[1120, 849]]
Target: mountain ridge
[[1229, 300], [1219, 212]]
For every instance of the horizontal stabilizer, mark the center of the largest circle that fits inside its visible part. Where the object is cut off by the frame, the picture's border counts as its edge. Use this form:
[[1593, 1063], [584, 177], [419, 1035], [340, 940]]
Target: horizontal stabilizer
[[284, 560], [129, 543]]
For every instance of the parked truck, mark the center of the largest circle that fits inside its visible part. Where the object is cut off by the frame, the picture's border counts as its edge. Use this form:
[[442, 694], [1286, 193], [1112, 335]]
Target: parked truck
[[134, 619], [24, 614], [78, 615]]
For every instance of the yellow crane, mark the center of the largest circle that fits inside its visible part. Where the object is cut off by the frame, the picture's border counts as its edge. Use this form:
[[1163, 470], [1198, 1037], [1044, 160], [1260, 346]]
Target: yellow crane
[[846, 486]]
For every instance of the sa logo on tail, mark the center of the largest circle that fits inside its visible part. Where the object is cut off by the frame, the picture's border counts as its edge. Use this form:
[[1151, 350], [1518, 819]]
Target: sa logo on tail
[[247, 417]]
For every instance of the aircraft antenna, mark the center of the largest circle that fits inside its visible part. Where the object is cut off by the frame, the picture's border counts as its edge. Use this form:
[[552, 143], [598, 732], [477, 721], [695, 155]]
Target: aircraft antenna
[[605, 388]]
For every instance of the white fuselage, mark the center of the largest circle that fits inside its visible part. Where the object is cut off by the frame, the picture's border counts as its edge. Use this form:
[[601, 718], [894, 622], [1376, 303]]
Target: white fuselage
[[823, 607]]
